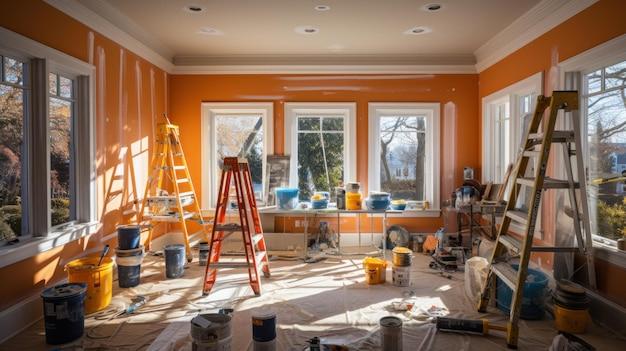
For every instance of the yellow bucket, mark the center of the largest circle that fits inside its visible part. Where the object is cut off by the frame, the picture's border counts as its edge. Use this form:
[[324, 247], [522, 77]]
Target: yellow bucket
[[353, 201], [570, 321], [375, 270], [99, 280]]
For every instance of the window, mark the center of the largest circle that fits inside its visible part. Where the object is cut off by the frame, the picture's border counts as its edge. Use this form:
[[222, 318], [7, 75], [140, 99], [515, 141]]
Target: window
[[60, 129], [12, 110], [47, 167], [404, 150], [235, 130], [506, 115], [604, 100], [320, 137]]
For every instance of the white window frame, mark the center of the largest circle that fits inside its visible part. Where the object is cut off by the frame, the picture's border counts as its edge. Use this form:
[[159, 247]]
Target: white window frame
[[584, 63], [511, 94], [346, 110], [41, 236], [432, 112], [209, 152]]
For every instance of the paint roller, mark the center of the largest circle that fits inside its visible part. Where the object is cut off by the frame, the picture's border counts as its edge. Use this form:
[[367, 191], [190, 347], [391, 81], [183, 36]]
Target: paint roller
[[473, 326]]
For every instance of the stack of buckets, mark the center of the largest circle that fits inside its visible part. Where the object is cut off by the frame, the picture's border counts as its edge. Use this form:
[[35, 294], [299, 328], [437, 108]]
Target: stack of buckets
[[401, 258], [264, 331], [129, 255], [571, 308]]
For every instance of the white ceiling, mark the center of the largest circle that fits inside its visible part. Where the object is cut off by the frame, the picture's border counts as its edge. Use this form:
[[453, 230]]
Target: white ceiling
[[349, 31]]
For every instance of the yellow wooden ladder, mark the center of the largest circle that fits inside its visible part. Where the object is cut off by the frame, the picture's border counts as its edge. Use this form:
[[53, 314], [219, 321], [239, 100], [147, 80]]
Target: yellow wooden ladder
[[537, 146], [178, 206]]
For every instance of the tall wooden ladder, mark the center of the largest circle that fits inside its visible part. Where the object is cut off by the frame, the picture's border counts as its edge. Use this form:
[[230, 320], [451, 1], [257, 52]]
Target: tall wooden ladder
[[537, 146], [256, 259], [178, 206]]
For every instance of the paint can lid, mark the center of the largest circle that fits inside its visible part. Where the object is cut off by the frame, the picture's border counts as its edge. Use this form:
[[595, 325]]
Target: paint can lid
[[63, 291], [174, 247], [401, 250], [391, 322], [263, 314]]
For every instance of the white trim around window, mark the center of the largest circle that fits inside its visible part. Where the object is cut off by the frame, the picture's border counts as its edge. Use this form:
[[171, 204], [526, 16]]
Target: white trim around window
[[532, 85], [209, 152], [431, 111], [347, 110]]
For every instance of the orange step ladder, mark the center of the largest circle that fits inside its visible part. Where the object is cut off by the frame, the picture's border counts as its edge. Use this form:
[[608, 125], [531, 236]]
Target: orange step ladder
[[256, 259]]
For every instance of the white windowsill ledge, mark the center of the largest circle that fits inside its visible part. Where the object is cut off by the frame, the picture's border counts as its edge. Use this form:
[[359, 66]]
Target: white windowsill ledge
[[30, 246], [610, 254]]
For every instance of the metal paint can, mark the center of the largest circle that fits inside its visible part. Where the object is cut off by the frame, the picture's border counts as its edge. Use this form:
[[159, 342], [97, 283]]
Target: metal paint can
[[341, 198], [401, 256], [211, 332], [391, 333], [264, 331], [401, 276]]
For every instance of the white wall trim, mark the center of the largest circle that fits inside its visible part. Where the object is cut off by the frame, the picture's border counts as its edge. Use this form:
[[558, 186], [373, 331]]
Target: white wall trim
[[208, 154], [433, 136], [325, 69], [594, 58], [96, 22], [347, 109], [537, 21]]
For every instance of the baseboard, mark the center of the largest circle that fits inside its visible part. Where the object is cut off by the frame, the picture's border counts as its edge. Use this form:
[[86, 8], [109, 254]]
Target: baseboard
[[607, 313], [22, 315]]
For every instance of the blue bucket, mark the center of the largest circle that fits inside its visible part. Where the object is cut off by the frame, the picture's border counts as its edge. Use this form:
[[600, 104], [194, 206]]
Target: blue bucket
[[287, 198], [128, 267], [264, 326], [174, 260], [64, 312], [128, 237], [533, 298]]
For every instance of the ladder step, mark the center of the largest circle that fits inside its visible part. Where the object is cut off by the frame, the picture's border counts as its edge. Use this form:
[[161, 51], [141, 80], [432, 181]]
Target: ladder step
[[241, 263], [229, 227], [548, 183], [256, 238], [505, 272], [511, 242], [179, 168], [182, 180], [129, 212], [170, 218], [558, 136], [518, 216], [531, 153]]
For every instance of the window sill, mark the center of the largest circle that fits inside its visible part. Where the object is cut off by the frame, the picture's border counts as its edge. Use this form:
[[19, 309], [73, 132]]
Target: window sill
[[30, 246], [610, 254]]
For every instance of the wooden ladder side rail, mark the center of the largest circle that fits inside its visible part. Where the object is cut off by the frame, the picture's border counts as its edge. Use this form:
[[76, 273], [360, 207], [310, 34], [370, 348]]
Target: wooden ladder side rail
[[157, 159]]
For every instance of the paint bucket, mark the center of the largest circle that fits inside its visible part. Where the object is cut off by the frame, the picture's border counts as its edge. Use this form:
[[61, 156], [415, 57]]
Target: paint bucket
[[375, 270], [533, 295], [401, 276], [64, 312], [264, 331], [391, 333], [341, 198], [211, 332], [128, 267], [203, 253], [353, 201], [571, 306], [99, 280], [128, 237], [174, 260], [401, 256], [353, 187]]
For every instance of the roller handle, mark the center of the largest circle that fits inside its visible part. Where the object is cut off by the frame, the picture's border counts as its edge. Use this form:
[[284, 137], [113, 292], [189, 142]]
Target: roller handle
[[104, 252]]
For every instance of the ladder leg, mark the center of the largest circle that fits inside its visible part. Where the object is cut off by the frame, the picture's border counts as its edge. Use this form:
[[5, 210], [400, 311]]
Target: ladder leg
[[258, 229], [571, 192]]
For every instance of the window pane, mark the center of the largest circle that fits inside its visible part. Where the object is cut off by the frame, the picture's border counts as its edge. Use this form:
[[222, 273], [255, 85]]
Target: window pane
[[402, 148], [607, 148], [11, 139], [60, 158], [320, 162], [594, 82], [65, 86], [242, 136], [308, 123], [330, 123], [13, 71], [52, 83], [615, 76]]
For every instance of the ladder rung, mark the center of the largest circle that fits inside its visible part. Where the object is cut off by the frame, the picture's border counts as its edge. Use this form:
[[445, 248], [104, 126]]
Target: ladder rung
[[554, 249], [505, 272], [558, 136], [256, 238], [241, 263], [229, 227], [179, 168], [182, 180], [548, 183], [186, 193], [259, 255], [531, 153], [518, 216], [511, 242], [129, 212]]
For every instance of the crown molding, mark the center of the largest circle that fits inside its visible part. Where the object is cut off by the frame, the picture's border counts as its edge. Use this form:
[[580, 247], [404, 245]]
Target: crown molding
[[99, 24], [325, 69], [537, 21]]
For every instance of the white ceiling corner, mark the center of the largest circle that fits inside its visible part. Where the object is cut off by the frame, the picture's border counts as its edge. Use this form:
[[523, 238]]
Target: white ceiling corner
[[528, 27]]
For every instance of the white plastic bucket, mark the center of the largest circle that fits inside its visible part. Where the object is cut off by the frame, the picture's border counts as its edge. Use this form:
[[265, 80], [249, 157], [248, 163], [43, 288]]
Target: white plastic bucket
[[401, 276]]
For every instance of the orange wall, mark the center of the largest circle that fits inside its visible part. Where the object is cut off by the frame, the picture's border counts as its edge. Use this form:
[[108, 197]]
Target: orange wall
[[129, 92], [595, 25], [187, 92]]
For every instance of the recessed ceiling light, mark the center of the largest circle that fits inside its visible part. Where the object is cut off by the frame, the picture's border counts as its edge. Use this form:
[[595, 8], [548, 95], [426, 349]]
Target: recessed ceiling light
[[322, 8], [193, 8], [307, 30], [210, 31], [432, 7], [418, 30]]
